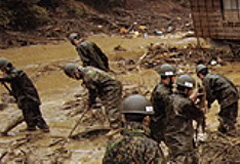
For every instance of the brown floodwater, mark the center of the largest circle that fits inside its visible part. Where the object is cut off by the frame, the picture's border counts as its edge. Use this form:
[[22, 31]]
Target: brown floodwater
[[39, 62]]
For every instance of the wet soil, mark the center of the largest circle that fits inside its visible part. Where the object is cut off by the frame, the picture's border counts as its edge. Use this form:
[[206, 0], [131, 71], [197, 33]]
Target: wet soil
[[63, 98]]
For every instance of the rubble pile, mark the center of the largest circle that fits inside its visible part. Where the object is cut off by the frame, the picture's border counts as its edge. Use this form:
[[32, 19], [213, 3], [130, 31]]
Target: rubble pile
[[159, 53], [220, 148]]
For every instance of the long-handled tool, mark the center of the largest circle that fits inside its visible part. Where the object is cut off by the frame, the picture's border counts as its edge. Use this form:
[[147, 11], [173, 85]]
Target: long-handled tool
[[78, 122], [8, 89]]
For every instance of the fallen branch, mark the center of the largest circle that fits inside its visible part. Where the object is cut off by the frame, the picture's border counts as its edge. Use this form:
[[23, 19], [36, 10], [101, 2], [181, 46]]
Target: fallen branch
[[3, 155], [79, 121], [92, 131], [56, 142]]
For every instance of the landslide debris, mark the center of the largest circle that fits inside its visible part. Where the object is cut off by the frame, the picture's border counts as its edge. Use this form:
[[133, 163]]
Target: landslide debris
[[44, 21]]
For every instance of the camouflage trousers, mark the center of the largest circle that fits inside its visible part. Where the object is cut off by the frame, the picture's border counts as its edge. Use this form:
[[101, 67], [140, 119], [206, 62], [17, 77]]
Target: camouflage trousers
[[112, 101], [33, 116], [227, 118]]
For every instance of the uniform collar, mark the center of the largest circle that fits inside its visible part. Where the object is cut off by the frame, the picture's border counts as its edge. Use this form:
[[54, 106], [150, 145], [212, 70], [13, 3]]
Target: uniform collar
[[135, 128]]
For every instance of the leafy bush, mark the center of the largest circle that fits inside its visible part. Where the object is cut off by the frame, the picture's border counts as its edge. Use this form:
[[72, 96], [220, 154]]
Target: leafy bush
[[76, 12], [51, 4], [22, 14], [4, 17]]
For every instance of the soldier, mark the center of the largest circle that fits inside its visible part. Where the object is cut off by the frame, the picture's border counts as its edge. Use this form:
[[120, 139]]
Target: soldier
[[100, 84], [160, 99], [25, 94], [179, 131], [135, 144], [220, 88], [89, 52]]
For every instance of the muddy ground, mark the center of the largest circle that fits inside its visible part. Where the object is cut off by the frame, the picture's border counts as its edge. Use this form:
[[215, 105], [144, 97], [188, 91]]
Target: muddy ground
[[134, 60]]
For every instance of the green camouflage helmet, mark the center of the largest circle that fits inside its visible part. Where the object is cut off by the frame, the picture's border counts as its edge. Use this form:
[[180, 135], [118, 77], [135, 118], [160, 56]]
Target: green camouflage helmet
[[201, 68], [137, 104], [167, 70], [73, 36], [3, 62], [186, 81], [70, 68]]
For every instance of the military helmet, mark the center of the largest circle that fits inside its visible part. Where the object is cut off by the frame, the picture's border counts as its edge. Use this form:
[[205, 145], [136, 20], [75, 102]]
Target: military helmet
[[3, 62], [186, 81], [201, 68], [137, 104], [70, 68], [167, 70], [73, 36]]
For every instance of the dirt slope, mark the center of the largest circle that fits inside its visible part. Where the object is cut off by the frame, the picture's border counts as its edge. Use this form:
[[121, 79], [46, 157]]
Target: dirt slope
[[156, 15]]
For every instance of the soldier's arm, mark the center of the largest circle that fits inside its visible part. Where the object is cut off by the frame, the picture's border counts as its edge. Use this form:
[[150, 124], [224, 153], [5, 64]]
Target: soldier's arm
[[193, 112], [209, 84], [158, 157], [92, 97], [102, 55], [9, 77], [160, 102], [83, 54]]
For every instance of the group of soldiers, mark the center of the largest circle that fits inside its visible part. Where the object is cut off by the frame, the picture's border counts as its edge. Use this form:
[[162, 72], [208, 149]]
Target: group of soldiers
[[138, 125]]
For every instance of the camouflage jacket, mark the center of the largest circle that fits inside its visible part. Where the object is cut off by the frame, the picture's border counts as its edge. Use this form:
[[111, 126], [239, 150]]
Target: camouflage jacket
[[160, 100], [92, 55], [22, 87], [134, 146], [220, 88], [100, 83], [179, 131]]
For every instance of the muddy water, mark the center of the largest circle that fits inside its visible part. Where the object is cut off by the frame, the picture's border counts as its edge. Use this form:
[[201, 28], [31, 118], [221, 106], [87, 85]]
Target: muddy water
[[40, 61]]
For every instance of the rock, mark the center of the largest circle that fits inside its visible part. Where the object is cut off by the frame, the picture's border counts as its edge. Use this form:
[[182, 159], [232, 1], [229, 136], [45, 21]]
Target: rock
[[119, 48]]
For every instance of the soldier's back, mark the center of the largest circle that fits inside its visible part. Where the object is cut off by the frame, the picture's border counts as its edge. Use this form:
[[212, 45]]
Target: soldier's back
[[131, 149], [221, 88], [133, 146], [179, 130], [22, 86]]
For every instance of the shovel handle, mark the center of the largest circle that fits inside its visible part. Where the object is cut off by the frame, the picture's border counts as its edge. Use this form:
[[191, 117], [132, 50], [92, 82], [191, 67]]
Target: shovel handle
[[78, 122]]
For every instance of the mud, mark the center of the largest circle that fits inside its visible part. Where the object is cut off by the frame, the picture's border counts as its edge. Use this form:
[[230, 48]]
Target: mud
[[219, 148], [64, 99]]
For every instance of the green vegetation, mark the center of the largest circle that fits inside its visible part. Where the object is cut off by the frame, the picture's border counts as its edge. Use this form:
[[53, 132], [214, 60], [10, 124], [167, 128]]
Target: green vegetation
[[22, 14]]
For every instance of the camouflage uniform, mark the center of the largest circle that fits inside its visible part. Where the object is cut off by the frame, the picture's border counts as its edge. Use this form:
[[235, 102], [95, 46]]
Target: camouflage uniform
[[27, 98], [220, 88], [134, 146], [108, 89], [179, 131], [92, 55], [161, 100]]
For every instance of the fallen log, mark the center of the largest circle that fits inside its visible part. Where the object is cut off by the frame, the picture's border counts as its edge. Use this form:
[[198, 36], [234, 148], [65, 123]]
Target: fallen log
[[16, 120], [90, 132]]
